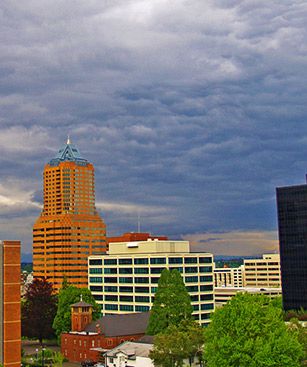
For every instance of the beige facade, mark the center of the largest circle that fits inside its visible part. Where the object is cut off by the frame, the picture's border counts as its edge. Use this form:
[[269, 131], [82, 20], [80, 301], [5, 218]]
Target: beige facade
[[126, 278], [263, 272], [228, 277], [223, 294]]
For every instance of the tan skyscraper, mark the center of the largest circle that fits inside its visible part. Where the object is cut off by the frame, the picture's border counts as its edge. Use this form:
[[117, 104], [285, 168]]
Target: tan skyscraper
[[69, 228]]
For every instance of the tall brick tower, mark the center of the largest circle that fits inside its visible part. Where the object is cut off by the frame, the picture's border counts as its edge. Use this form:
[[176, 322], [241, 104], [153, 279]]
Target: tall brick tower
[[69, 228], [10, 329]]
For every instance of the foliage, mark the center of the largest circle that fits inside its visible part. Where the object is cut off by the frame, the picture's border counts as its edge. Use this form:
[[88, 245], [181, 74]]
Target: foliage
[[301, 315], [68, 296], [249, 332], [38, 310], [297, 326], [177, 343], [58, 359], [172, 303]]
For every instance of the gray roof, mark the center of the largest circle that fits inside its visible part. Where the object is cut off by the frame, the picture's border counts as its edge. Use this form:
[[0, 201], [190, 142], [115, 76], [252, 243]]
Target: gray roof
[[68, 153], [120, 325], [131, 349], [81, 304]]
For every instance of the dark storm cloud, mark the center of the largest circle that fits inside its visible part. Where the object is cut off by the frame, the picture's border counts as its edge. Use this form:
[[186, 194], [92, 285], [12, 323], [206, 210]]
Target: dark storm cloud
[[192, 112]]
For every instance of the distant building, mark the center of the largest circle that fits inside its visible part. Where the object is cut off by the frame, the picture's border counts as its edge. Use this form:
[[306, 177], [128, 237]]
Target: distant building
[[10, 328], [223, 294], [135, 236], [228, 277], [88, 339], [292, 224], [69, 227], [125, 280], [263, 272]]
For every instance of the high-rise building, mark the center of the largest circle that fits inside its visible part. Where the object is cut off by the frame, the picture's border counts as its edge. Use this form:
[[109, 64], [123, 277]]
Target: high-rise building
[[292, 224], [10, 329], [228, 277], [125, 280], [69, 228]]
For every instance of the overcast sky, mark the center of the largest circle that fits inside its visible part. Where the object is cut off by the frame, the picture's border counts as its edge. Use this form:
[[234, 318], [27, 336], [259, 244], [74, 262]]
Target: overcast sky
[[192, 112]]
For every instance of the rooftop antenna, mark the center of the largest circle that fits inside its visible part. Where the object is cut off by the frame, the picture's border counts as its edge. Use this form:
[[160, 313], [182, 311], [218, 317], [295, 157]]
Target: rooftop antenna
[[68, 139], [139, 223], [81, 299]]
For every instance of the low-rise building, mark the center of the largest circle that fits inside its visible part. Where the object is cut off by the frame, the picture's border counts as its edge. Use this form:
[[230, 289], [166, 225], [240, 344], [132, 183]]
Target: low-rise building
[[88, 339], [129, 354], [263, 272], [228, 277], [223, 294], [126, 278]]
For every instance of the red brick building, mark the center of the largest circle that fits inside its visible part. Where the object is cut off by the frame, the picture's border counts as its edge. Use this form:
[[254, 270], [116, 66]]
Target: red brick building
[[10, 327], [88, 339], [135, 236]]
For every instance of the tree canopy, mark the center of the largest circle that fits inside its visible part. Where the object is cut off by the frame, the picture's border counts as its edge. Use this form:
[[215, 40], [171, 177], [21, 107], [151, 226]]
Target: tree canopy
[[178, 343], [172, 303], [69, 295], [38, 310], [249, 331]]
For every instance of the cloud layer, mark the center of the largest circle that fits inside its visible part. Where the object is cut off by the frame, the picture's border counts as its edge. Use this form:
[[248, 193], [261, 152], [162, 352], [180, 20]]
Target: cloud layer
[[191, 111]]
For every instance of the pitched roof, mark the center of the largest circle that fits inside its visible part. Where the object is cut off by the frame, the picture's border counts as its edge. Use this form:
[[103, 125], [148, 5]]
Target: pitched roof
[[68, 153], [81, 304], [131, 349], [117, 325]]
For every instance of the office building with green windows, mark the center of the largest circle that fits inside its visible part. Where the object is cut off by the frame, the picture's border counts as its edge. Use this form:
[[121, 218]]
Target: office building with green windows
[[125, 279]]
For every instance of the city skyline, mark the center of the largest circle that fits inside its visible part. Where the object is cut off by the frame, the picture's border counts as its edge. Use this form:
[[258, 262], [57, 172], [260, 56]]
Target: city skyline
[[192, 113]]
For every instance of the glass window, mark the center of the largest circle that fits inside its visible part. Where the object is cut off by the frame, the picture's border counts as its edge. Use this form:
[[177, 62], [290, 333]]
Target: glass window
[[141, 308], [110, 261], [95, 261], [125, 270], [205, 260], [207, 306], [110, 270], [141, 270], [141, 289], [191, 269], [125, 280], [206, 288], [175, 260], [191, 279], [179, 268], [95, 270], [156, 270], [190, 260], [140, 261], [206, 297], [126, 298], [206, 278], [144, 299], [154, 279], [192, 288], [141, 280], [125, 261], [205, 269], [126, 307], [96, 288], [110, 297], [95, 279], [110, 288], [158, 260], [126, 289], [110, 307], [110, 280]]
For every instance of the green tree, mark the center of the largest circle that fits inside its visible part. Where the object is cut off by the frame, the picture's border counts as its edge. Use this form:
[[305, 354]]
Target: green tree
[[38, 310], [172, 303], [178, 343], [68, 296], [249, 331]]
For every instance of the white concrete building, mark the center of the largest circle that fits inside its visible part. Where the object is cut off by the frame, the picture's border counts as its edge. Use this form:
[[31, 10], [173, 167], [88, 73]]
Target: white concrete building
[[228, 277], [130, 354], [126, 278]]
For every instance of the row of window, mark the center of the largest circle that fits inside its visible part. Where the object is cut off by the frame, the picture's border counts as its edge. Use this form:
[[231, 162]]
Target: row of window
[[154, 260], [139, 289]]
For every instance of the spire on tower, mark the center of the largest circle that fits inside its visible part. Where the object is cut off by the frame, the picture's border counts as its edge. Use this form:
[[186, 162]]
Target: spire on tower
[[68, 139]]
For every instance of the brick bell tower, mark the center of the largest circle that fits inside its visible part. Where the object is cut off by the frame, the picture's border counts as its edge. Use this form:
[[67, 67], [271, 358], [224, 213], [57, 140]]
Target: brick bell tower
[[81, 315]]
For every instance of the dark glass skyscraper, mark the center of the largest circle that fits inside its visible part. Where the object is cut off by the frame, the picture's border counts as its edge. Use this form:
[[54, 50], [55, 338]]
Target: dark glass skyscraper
[[292, 223]]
